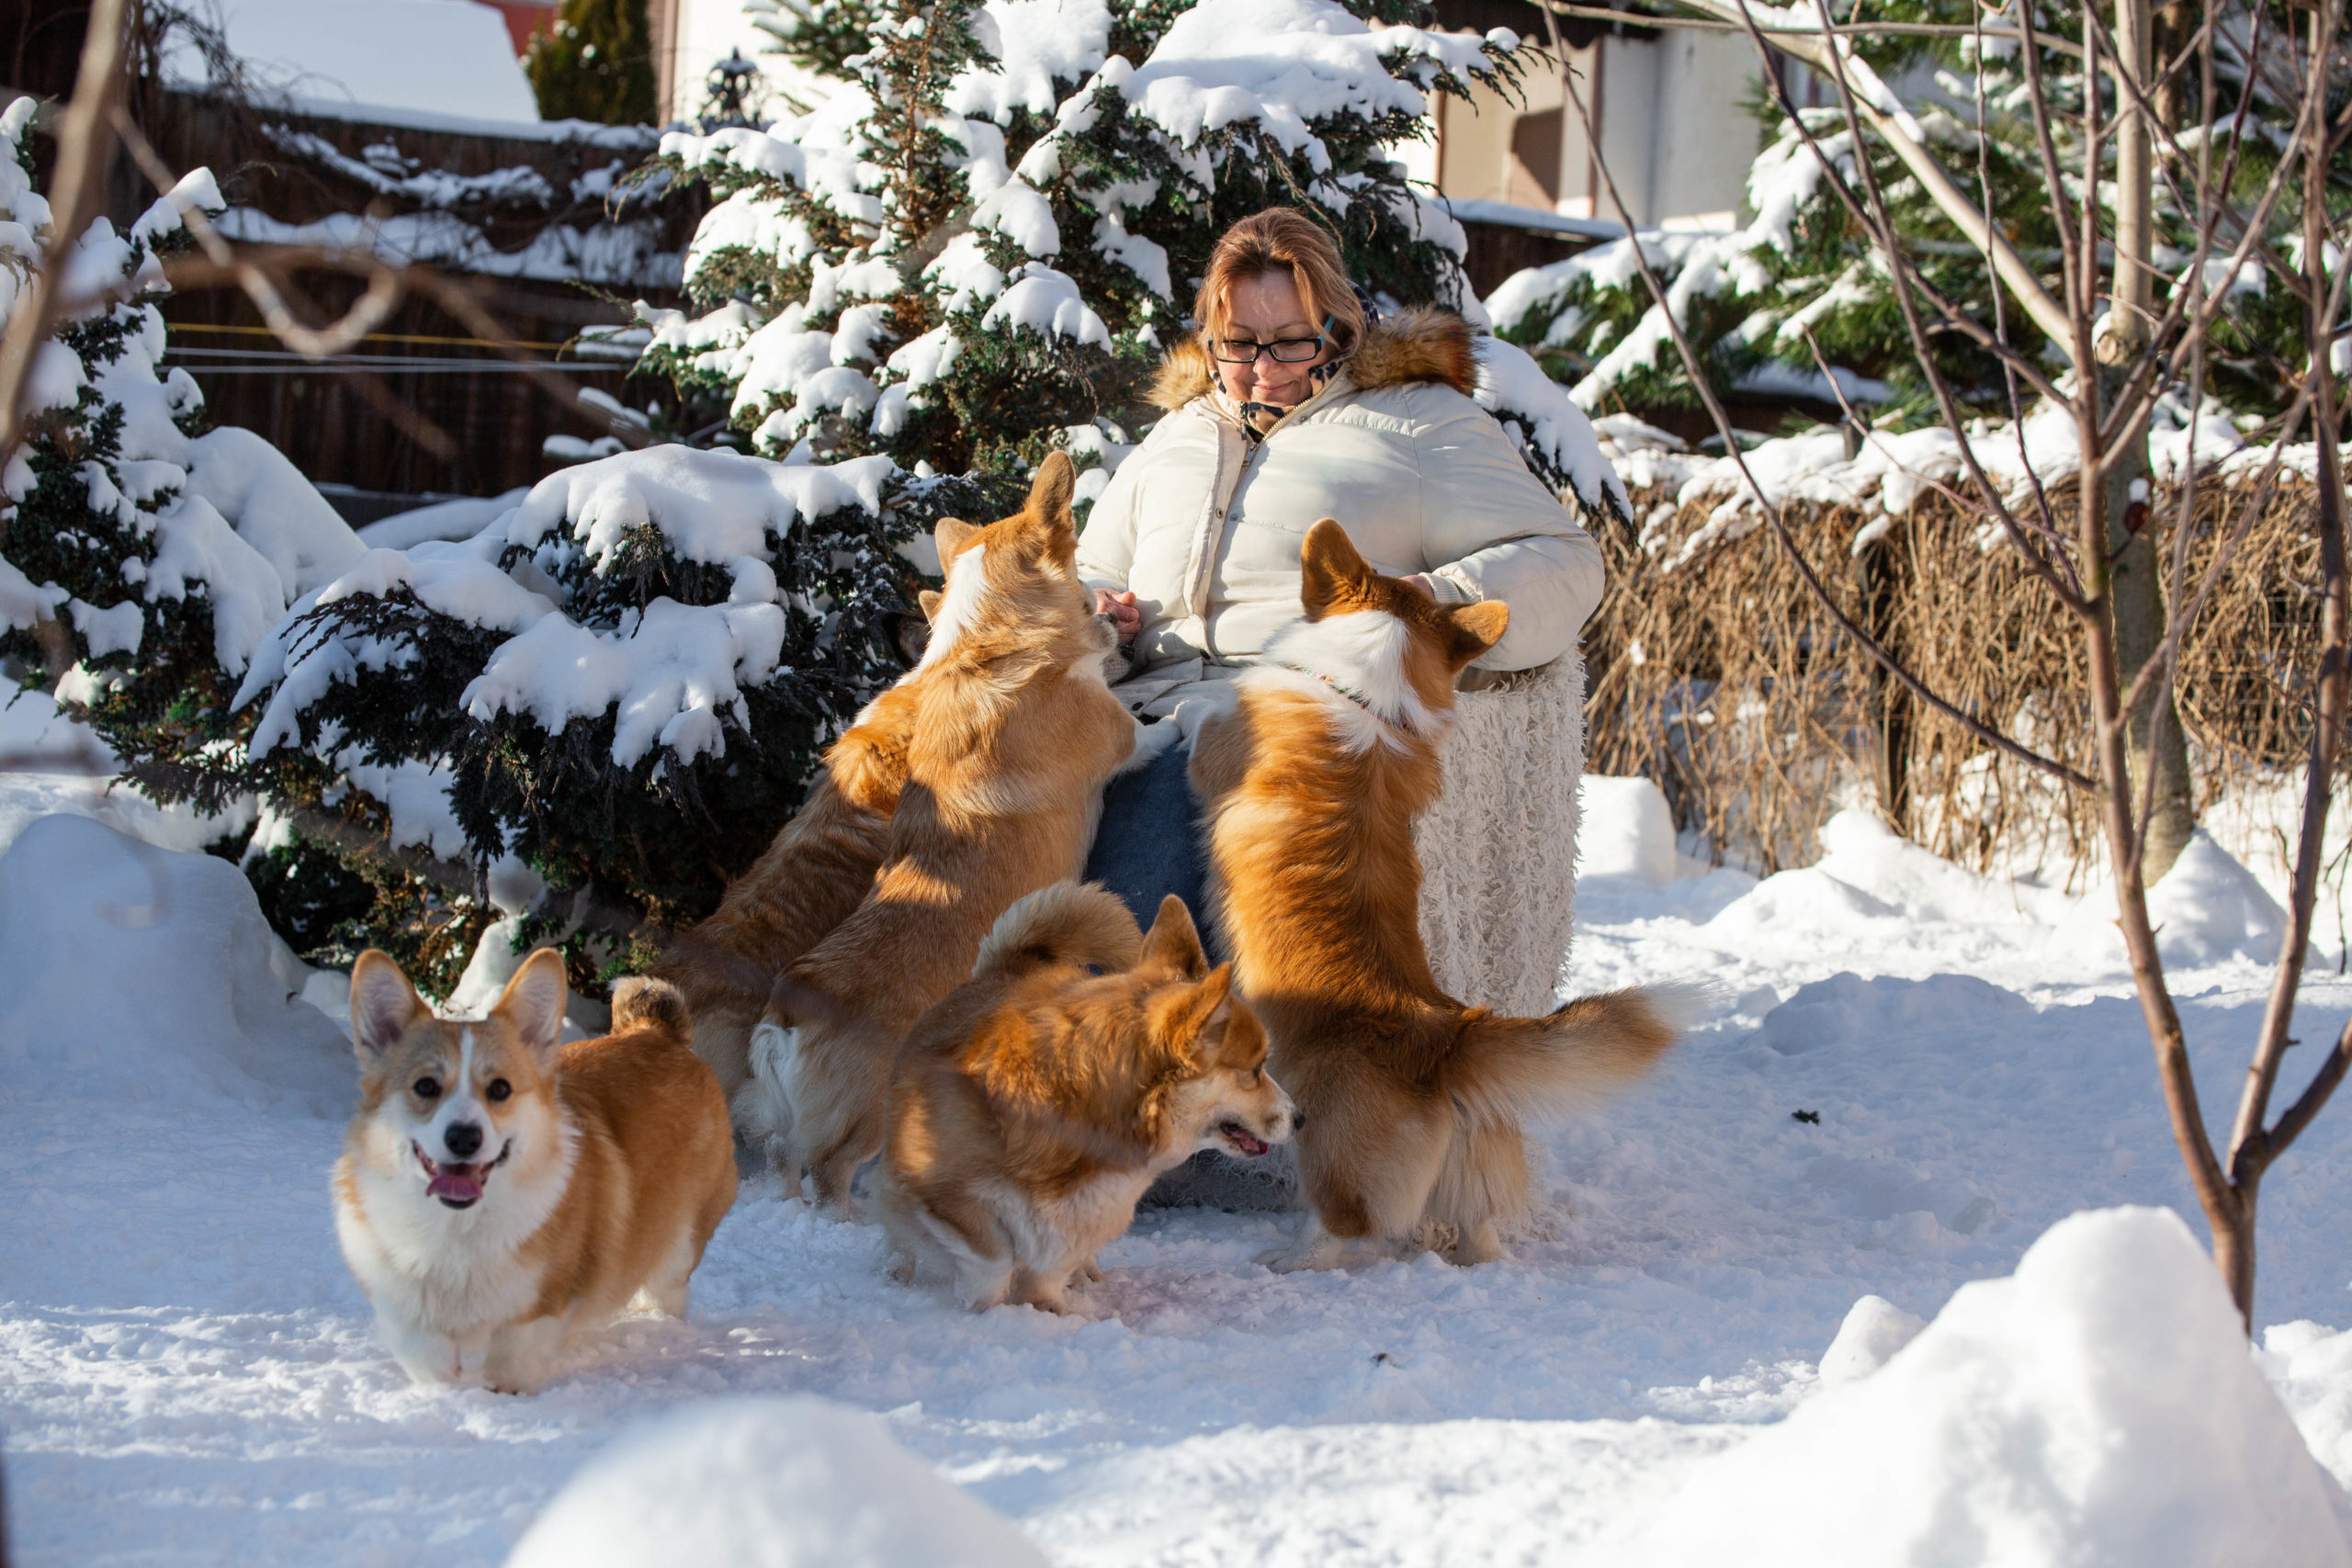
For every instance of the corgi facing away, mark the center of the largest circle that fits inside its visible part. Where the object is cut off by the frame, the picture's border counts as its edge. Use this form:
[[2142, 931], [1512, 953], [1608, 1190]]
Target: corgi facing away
[[1311, 784], [500, 1190], [1014, 735], [1030, 1109]]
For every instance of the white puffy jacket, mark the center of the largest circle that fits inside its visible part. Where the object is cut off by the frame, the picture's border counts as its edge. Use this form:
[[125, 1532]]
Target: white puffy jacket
[[1205, 527]]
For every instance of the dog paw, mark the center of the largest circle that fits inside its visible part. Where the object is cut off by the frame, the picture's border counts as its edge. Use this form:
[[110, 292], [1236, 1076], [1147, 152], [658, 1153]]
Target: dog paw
[[1194, 712]]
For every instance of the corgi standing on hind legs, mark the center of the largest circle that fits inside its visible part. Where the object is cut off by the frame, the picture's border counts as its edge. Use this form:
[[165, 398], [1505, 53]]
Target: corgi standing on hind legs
[[1014, 735], [1411, 1102]]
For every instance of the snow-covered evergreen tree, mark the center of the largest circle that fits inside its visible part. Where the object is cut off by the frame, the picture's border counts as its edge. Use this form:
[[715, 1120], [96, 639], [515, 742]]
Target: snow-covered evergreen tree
[[1798, 264], [969, 254], [164, 551]]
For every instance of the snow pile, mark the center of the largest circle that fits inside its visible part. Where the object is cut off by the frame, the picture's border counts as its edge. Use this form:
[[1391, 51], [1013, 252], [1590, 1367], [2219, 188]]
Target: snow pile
[[1893, 469], [1867, 873], [460, 518], [52, 763], [766, 1484], [136, 973], [1869, 1338], [619, 255], [1625, 827], [2098, 1407], [2206, 909], [1847, 1008], [2310, 1365]]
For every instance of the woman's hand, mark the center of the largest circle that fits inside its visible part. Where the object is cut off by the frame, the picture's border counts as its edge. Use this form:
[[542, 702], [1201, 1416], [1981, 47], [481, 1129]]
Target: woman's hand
[[1121, 607]]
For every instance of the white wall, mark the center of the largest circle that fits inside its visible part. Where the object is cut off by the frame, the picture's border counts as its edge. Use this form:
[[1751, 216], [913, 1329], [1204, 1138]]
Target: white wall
[[707, 32], [1674, 131]]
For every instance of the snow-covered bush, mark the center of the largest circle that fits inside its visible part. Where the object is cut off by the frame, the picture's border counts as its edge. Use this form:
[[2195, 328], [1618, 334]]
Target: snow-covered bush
[[164, 551]]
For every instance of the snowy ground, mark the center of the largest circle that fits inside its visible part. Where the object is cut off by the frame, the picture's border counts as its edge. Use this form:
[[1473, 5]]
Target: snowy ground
[[186, 1372]]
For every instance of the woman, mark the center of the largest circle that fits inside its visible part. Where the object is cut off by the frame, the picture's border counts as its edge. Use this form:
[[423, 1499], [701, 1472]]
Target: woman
[[1293, 404]]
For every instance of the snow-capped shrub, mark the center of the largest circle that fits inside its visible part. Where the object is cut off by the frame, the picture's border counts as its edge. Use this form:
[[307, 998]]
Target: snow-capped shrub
[[166, 551]]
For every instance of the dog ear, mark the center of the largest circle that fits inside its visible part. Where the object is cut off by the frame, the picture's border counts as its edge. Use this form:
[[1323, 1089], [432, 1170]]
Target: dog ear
[[1173, 943], [949, 534], [1329, 562], [532, 1004], [1471, 629], [1210, 1014], [383, 1004], [1051, 492], [929, 599]]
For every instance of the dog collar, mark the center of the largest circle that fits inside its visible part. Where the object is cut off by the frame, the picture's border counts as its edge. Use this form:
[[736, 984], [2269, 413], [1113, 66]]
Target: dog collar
[[1352, 694]]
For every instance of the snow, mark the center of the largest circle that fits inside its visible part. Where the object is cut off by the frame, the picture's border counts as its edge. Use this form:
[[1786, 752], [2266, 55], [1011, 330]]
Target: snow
[[181, 928], [1039, 45], [766, 1484], [460, 517], [188, 1371], [675, 676], [619, 254], [2098, 1407], [1047, 302], [429, 55], [1282, 63], [1512, 386]]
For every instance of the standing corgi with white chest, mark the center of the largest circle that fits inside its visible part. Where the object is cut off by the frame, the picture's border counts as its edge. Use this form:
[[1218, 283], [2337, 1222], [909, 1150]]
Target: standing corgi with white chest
[[500, 1190]]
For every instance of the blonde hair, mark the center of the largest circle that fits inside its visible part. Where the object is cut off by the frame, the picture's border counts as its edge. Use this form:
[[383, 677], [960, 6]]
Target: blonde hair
[[1278, 239]]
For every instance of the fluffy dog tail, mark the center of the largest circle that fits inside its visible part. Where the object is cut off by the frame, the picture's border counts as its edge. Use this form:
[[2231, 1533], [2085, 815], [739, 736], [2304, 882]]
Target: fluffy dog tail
[[1506, 1069], [643, 1002], [1070, 922]]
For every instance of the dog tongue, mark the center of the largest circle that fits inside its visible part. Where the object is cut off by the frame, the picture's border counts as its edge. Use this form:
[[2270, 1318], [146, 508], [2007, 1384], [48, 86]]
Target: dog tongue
[[1251, 1146], [456, 1182]]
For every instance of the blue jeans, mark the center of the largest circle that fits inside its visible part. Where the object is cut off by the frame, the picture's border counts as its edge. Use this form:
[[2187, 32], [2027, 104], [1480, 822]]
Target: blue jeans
[[1149, 845]]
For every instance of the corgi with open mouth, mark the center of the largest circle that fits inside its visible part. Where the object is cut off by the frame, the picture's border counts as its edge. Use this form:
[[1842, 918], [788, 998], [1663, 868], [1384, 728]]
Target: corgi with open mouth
[[500, 1192]]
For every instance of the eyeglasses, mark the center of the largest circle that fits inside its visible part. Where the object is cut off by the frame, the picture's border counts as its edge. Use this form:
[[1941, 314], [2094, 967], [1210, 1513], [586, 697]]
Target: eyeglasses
[[1284, 350]]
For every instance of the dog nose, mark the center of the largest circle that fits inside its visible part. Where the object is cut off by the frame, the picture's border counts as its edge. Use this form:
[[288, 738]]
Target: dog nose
[[462, 1139], [1297, 1118]]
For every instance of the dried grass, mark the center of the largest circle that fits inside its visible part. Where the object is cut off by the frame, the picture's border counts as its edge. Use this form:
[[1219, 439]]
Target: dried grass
[[1723, 680]]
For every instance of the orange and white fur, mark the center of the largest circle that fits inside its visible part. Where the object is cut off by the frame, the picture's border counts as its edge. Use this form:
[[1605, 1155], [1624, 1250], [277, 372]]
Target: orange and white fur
[[813, 874], [1032, 1107], [1310, 783], [1014, 735], [500, 1190]]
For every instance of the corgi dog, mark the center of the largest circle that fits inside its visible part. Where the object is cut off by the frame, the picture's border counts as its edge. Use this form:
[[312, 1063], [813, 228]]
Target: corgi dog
[[500, 1190], [1032, 1107], [1014, 735], [815, 870], [1309, 786]]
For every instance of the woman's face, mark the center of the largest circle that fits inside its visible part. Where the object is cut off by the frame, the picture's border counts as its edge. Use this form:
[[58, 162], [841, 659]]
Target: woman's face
[[1263, 309]]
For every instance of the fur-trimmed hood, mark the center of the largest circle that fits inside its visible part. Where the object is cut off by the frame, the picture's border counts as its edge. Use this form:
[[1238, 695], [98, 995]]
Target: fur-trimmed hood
[[1422, 344]]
